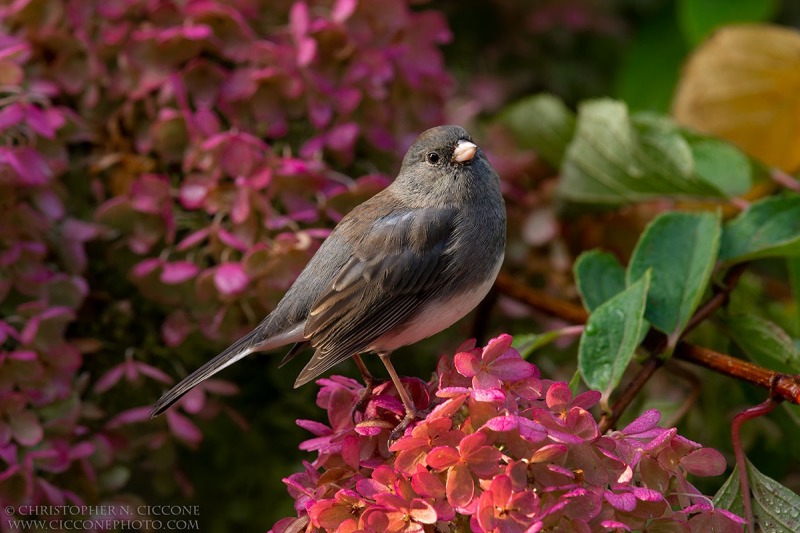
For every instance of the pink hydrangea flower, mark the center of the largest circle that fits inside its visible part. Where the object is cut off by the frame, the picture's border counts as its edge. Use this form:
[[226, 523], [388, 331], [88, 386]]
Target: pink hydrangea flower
[[530, 460]]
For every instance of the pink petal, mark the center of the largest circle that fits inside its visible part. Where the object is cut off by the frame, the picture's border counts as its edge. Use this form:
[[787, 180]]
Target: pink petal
[[26, 428], [485, 461], [472, 442], [442, 457], [587, 400], [10, 115], [486, 380], [512, 369], [497, 347], [39, 121], [109, 379], [306, 50], [647, 495], [145, 267], [351, 450], [299, 19], [624, 501], [488, 395], [23, 355], [178, 272], [30, 166], [369, 488], [460, 486], [467, 364], [176, 328], [501, 489], [153, 373], [193, 239], [230, 279], [422, 511], [183, 428], [503, 423], [137, 414], [343, 137], [559, 396], [342, 10], [426, 484], [704, 462], [612, 524], [531, 431], [645, 422], [192, 195], [317, 428], [229, 239]]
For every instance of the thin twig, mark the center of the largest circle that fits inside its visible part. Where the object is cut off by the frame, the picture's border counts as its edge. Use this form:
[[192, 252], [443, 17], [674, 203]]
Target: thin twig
[[562, 309], [780, 385], [656, 343], [720, 297], [628, 394], [741, 461]]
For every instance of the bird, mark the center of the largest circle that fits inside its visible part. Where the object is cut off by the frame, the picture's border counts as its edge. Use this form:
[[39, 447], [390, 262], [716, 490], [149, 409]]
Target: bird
[[404, 265]]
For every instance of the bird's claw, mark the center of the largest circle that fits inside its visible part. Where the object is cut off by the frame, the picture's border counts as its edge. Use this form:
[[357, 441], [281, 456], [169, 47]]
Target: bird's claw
[[363, 398]]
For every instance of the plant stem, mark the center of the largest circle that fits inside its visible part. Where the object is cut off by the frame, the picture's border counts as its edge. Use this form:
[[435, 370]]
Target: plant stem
[[780, 385], [741, 461]]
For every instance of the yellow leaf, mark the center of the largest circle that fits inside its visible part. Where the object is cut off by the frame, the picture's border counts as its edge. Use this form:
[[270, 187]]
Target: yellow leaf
[[743, 85]]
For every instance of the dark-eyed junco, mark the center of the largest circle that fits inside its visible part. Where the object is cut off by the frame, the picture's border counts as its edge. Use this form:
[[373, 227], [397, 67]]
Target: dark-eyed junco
[[402, 266]]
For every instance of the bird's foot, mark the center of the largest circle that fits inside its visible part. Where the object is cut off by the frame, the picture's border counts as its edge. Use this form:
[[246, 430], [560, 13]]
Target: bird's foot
[[401, 427], [369, 387], [411, 415]]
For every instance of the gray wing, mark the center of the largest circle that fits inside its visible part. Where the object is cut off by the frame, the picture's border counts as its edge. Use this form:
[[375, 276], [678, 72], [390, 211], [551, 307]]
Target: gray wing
[[395, 267]]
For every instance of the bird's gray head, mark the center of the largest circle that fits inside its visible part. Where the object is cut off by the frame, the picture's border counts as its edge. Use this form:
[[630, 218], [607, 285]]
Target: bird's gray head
[[444, 164]]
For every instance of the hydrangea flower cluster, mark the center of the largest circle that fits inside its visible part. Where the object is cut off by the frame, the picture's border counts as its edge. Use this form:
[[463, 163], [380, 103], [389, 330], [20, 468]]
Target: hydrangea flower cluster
[[183, 141], [501, 450]]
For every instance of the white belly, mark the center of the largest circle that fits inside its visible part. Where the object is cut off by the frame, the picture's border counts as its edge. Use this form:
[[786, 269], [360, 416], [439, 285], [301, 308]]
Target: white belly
[[436, 316]]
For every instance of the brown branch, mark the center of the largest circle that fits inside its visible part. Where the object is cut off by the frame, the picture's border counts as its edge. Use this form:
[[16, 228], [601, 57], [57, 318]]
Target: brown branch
[[720, 297], [657, 342], [562, 309], [780, 385]]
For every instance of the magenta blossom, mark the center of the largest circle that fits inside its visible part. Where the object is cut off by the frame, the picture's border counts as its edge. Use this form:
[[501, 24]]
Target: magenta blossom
[[530, 459]]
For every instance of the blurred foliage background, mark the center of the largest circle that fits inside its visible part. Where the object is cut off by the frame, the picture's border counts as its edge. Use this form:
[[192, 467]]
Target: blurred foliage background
[[168, 167]]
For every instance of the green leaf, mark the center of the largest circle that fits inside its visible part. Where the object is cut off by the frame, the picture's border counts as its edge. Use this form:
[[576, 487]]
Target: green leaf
[[698, 18], [764, 342], [613, 332], [599, 276], [543, 123], [722, 165], [615, 158], [575, 383], [793, 266], [666, 156], [775, 507], [729, 495], [768, 228], [528, 343], [681, 249]]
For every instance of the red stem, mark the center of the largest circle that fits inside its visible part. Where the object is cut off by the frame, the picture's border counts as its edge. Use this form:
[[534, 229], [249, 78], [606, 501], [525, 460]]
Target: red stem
[[738, 450]]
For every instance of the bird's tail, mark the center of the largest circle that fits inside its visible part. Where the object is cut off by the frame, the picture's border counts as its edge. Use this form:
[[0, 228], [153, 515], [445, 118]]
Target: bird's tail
[[242, 348]]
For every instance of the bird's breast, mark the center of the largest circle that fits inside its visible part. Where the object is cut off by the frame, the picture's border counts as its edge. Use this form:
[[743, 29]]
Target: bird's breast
[[437, 315]]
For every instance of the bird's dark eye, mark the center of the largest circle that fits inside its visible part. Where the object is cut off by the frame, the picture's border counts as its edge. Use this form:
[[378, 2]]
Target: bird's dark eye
[[433, 157]]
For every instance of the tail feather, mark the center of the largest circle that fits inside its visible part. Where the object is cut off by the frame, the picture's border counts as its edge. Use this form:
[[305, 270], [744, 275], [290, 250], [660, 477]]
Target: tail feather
[[233, 353], [242, 348]]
